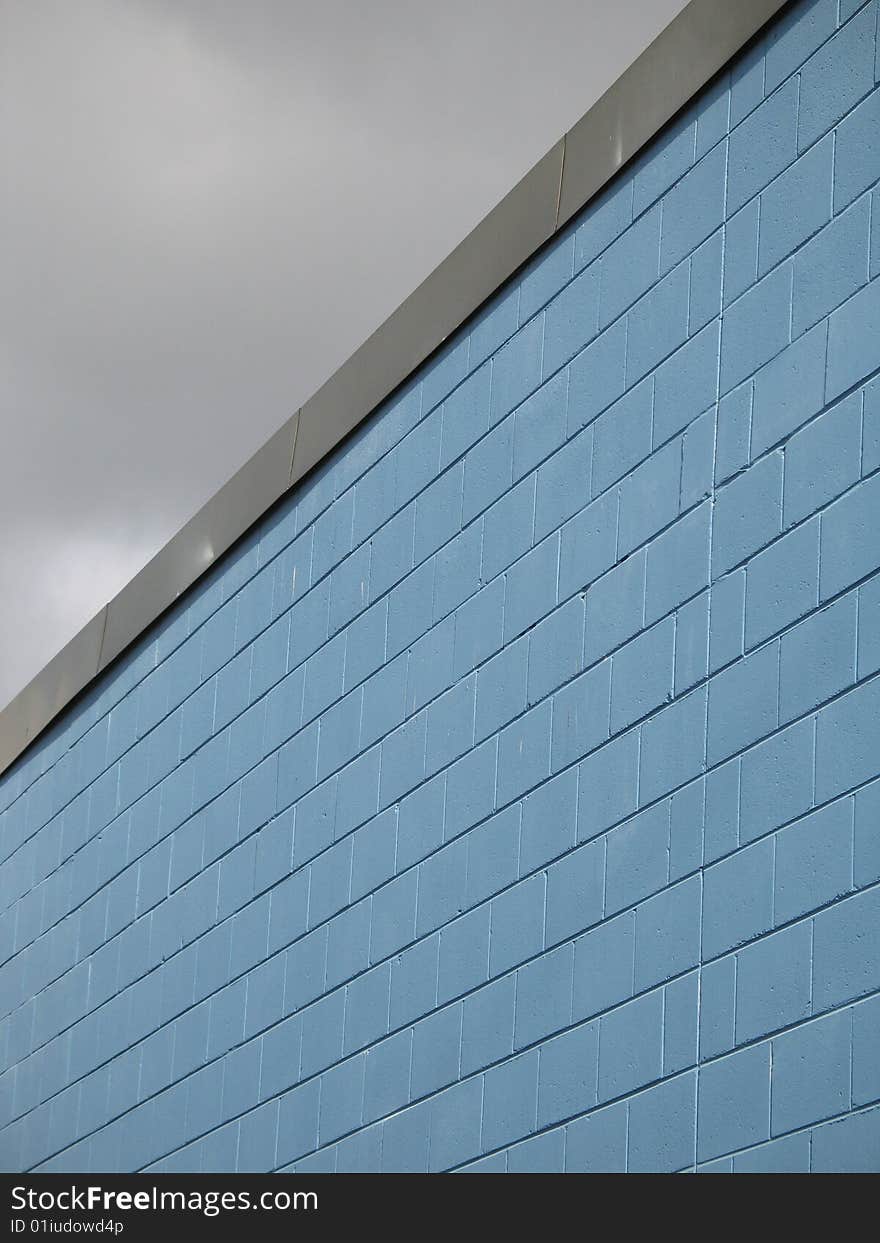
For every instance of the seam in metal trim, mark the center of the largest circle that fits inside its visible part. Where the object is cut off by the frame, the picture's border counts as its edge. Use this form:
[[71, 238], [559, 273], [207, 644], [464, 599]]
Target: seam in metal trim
[[696, 44]]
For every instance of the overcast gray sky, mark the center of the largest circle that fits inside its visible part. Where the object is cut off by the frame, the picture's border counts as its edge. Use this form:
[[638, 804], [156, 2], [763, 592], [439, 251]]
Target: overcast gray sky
[[206, 205]]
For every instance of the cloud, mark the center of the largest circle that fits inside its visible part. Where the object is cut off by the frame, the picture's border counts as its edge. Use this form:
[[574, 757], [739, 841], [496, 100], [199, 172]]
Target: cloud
[[207, 205]]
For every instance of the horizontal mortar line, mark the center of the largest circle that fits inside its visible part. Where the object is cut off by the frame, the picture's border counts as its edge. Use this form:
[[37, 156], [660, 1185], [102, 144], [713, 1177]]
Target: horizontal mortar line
[[727, 127], [224, 854], [363, 750], [797, 920], [624, 729], [580, 1022], [523, 1051], [855, 1111], [655, 802], [690, 337]]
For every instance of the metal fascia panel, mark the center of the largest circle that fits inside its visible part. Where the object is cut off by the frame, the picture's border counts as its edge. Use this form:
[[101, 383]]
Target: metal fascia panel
[[696, 44]]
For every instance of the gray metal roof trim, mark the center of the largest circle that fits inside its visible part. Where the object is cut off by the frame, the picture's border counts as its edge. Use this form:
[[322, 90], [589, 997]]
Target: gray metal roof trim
[[680, 61]]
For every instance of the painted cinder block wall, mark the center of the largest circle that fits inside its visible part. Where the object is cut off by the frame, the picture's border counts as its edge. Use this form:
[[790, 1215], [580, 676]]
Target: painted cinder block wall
[[508, 799]]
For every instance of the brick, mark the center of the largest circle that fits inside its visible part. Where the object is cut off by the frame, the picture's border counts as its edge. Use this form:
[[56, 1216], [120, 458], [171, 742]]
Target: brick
[[712, 115], [776, 781], [865, 1061], [464, 954], [441, 887], [414, 982], [615, 607], [622, 436], [691, 643], [733, 432], [450, 731], [857, 151], [575, 890], [545, 1154], [387, 1076], [555, 648], [811, 1073], [852, 338], [642, 675], [658, 323], [836, 77], [405, 1140], [605, 217], [539, 424], [597, 377], [630, 266], [465, 415], [470, 788], [546, 275], [455, 1125], [792, 39], [846, 741], [436, 1051], [630, 1046], [531, 588], [717, 1006], [747, 83], [668, 934], [686, 384], [796, 205], [741, 251], [673, 746], [638, 858], [597, 1143], [814, 861], [789, 390], [588, 545], [524, 753], [733, 1108], [571, 320], [516, 369], [543, 996], [549, 821], [508, 528], [493, 855], [762, 145], [563, 485], [831, 267], [608, 785], [738, 899], [517, 924], [649, 497], [694, 208], [817, 658], [846, 954], [567, 1074], [704, 298], [510, 1100], [487, 1025], [501, 688], [663, 1127], [681, 1023], [686, 829], [756, 327], [678, 563], [848, 1146], [748, 513], [603, 966], [773, 983], [437, 518], [848, 552], [743, 703], [789, 1155], [866, 839]]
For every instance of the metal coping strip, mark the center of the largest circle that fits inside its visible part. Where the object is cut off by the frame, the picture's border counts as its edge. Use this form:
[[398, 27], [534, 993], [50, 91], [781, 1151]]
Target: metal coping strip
[[698, 42]]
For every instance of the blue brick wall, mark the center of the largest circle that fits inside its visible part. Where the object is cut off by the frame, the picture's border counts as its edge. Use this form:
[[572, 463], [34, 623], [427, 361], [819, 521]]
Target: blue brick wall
[[510, 797]]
